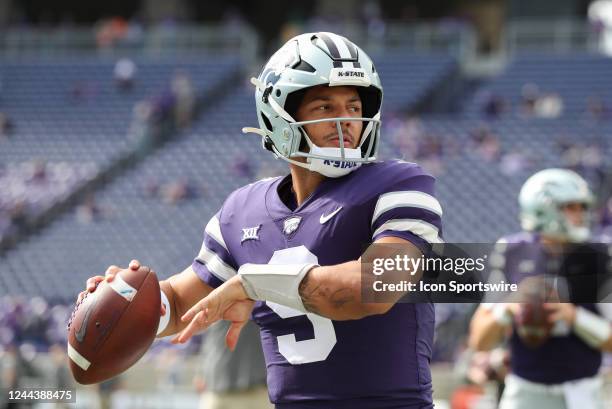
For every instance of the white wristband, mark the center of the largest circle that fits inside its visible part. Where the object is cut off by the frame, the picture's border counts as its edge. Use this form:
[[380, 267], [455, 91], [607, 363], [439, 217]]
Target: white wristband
[[278, 283], [164, 320], [593, 329]]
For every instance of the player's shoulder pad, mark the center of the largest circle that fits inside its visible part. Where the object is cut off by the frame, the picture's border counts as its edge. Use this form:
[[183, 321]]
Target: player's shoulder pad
[[386, 176], [391, 169], [246, 196], [521, 237], [514, 241], [604, 236]]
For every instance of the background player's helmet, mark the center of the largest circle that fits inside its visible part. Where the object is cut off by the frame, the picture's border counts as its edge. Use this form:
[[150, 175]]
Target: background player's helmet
[[541, 198], [306, 61]]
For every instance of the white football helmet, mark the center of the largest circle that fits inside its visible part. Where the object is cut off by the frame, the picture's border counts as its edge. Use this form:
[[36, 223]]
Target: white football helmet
[[542, 196], [306, 61]]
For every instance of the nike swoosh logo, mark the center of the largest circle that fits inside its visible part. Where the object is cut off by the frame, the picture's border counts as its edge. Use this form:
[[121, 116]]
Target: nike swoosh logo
[[325, 217], [80, 334]]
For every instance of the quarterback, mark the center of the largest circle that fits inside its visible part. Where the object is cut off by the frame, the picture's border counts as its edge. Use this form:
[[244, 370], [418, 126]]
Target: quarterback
[[560, 370], [285, 251]]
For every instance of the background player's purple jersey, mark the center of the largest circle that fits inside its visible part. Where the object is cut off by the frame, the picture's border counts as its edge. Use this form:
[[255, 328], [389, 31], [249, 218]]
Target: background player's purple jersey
[[377, 362], [564, 356]]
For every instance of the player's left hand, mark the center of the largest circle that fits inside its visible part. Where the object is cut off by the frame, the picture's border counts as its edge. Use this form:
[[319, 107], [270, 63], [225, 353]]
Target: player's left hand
[[561, 312], [227, 302]]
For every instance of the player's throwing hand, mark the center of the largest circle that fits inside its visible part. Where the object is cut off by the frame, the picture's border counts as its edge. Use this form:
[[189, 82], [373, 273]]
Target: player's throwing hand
[[227, 302]]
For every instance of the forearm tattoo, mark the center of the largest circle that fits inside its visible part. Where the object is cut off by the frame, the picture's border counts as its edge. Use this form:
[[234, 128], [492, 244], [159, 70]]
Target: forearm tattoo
[[314, 295], [309, 293]]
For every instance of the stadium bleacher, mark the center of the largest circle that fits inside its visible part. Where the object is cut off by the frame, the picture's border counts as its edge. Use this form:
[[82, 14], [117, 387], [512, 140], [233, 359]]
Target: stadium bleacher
[[545, 74], [72, 121]]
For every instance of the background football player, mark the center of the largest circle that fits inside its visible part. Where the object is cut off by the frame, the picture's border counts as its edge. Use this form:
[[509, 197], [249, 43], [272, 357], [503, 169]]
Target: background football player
[[293, 243], [559, 371]]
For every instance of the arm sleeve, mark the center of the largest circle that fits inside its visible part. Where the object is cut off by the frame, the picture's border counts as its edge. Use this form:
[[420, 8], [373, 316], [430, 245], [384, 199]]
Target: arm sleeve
[[409, 210], [214, 264]]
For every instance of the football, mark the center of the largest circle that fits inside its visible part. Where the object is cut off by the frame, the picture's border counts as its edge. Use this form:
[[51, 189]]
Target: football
[[532, 324], [112, 328]]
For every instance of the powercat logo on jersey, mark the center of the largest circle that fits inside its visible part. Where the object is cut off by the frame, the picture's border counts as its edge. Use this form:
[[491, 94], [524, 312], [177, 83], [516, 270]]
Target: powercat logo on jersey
[[340, 164], [290, 225]]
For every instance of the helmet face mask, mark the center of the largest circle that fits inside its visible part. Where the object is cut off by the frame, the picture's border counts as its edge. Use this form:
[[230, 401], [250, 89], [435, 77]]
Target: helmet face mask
[[306, 61], [543, 198]]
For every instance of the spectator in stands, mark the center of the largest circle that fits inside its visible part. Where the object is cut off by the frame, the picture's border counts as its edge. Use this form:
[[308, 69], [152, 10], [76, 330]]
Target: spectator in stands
[[89, 211], [38, 171], [82, 91], [141, 132], [596, 108], [18, 215], [125, 74], [494, 106], [177, 191], [514, 162], [110, 31], [587, 160], [184, 97], [6, 126], [534, 103], [405, 134], [549, 105], [485, 143], [529, 96], [430, 153]]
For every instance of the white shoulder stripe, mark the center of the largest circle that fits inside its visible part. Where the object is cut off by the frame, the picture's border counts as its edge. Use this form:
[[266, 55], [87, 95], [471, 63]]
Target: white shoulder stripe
[[426, 231], [410, 198], [213, 228], [215, 264]]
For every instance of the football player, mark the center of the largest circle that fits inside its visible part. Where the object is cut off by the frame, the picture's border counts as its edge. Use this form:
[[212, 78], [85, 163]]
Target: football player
[[556, 369], [287, 249]]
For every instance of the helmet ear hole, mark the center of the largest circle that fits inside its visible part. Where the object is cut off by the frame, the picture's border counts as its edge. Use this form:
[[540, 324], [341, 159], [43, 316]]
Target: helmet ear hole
[[293, 101], [371, 100], [266, 122], [267, 143]]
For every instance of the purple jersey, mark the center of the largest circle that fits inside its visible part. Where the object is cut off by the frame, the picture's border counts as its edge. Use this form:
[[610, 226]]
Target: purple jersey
[[564, 356], [376, 362]]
